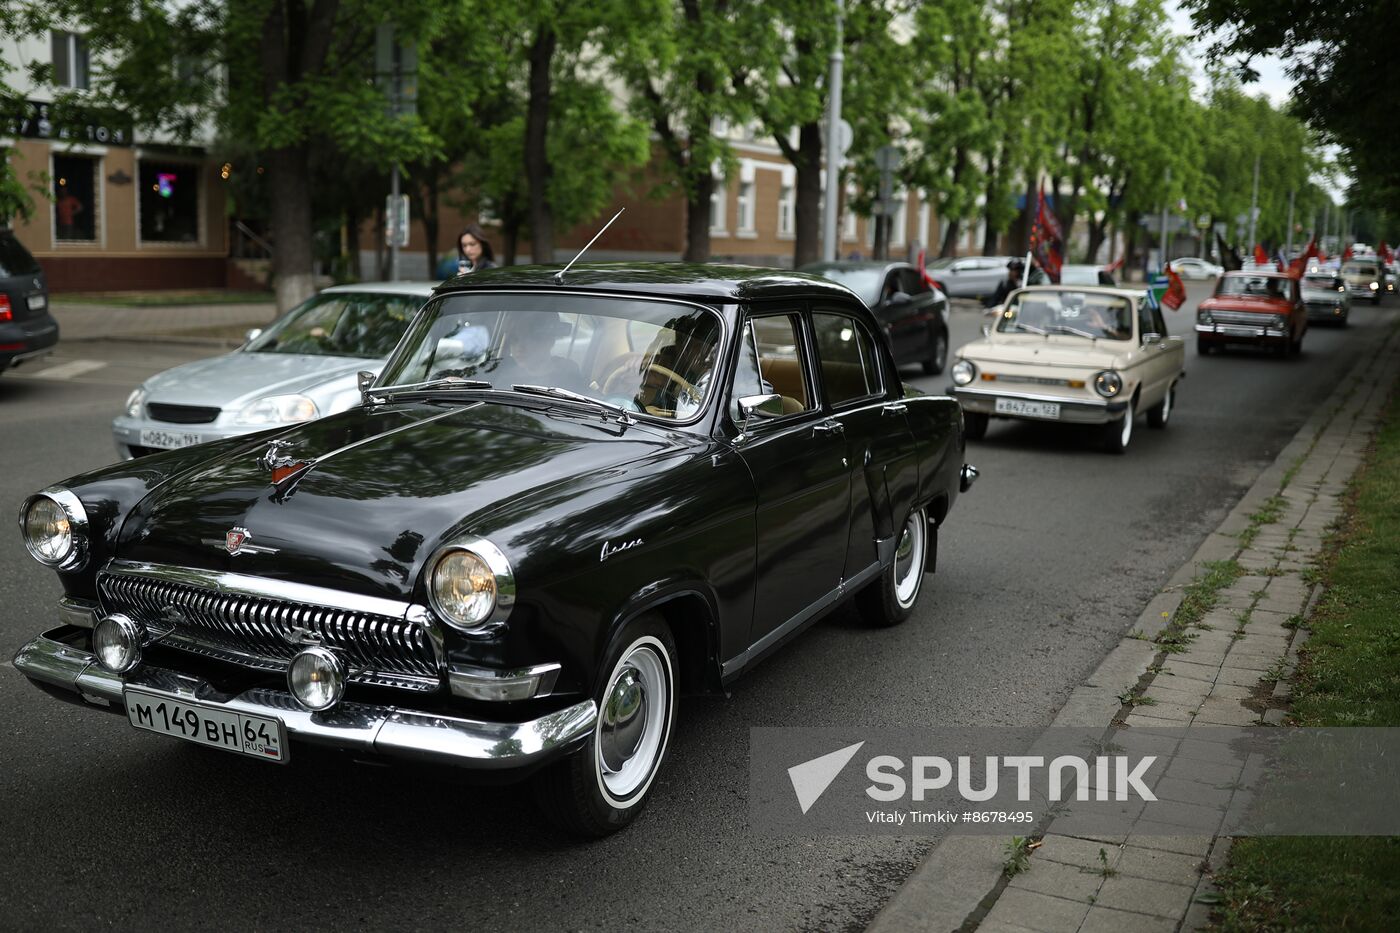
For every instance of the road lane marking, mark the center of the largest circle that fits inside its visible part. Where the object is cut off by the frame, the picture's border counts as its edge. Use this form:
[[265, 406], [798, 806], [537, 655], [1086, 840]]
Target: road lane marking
[[69, 370]]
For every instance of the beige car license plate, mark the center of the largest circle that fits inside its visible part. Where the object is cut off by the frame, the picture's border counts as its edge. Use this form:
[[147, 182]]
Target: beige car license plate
[[1015, 406], [263, 737]]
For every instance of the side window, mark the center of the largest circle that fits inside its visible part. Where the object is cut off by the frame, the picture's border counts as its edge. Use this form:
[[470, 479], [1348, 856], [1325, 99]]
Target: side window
[[1159, 324], [850, 369], [909, 282], [770, 361]]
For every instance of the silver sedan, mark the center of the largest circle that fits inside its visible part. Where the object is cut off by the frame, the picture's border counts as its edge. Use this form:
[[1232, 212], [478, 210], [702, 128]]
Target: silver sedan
[[301, 367]]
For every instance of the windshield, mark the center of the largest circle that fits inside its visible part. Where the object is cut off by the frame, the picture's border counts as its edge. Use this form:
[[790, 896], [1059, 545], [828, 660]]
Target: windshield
[[864, 282], [1319, 281], [653, 357], [1078, 314], [1358, 268], [359, 324], [1253, 286]]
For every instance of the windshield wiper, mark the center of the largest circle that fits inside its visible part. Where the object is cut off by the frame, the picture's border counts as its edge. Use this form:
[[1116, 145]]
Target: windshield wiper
[[555, 392], [1073, 330], [432, 385], [1030, 327]]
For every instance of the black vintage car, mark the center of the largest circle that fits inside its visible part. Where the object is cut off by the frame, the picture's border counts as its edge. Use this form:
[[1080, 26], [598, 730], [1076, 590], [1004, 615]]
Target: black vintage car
[[561, 504]]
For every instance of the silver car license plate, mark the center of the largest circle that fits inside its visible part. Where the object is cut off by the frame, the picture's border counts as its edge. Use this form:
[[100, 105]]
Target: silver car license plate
[[38, 302], [1015, 406], [169, 440], [263, 737]]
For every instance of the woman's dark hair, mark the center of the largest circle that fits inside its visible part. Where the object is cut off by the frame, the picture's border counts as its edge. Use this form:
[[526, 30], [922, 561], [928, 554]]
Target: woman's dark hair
[[480, 236]]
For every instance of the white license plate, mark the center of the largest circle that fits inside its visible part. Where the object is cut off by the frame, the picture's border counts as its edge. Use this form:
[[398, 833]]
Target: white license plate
[[262, 737], [38, 302], [1234, 331], [1015, 406], [169, 440]]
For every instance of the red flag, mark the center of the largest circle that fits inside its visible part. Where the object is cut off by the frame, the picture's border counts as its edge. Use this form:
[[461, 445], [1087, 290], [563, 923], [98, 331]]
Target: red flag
[[1260, 257], [1115, 265], [1346, 253], [1175, 295], [1384, 252], [1300, 265], [1046, 238]]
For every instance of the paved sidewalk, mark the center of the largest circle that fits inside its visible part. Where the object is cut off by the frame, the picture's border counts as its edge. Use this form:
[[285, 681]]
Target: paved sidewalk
[[1233, 671], [97, 322]]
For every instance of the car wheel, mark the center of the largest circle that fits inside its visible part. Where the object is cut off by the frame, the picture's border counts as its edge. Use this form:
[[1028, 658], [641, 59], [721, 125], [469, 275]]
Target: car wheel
[[1203, 347], [938, 355], [890, 599], [603, 787], [1118, 432], [975, 425], [1159, 414]]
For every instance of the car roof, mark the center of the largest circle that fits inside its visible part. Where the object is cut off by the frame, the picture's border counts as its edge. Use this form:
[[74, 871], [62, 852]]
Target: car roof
[[702, 282], [419, 289], [882, 264], [1131, 294]]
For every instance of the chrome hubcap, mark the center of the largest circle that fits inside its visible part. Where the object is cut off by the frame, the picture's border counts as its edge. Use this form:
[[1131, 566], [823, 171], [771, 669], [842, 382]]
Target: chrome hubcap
[[634, 720], [1127, 426], [909, 560]]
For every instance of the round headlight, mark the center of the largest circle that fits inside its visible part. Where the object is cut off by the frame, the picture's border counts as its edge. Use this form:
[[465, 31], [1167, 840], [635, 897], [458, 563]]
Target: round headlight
[[1280, 322], [963, 372], [278, 409], [317, 679], [134, 401], [1203, 317], [116, 641], [463, 589], [54, 526], [1108, 383]]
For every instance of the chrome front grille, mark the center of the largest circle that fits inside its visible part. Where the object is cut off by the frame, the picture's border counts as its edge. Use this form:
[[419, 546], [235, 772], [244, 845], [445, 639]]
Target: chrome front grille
[[230, 618], [1247, 318]]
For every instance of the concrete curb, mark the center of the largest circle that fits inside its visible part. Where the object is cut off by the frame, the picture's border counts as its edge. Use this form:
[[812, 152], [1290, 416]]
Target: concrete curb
[[960, 885]]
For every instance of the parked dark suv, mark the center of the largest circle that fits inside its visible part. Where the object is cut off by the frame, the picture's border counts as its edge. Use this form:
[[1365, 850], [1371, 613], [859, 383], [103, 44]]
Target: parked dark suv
[[27, 331]]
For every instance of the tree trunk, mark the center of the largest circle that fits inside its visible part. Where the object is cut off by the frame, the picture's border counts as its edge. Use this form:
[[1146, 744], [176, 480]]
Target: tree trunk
[[427, 196], [1130, 259], [293, 265], [950, 238], [1097, 233], [510, 228], [881, 247], [537, 168], [697, 218], [352, 240], [809, 195]]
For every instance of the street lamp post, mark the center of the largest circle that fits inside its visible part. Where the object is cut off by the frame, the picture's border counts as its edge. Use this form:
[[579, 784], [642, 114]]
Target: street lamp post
[[834, 149]]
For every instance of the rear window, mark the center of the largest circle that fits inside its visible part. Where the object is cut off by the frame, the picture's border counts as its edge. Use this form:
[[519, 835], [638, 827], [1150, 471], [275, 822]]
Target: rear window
[[14, 258]]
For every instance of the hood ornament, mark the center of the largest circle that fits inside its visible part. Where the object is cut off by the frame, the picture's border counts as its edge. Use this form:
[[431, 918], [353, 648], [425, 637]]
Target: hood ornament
[[281, 465]]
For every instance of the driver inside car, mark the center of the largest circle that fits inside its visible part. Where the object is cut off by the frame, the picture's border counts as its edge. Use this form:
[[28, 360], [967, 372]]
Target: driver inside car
[[529, 358]]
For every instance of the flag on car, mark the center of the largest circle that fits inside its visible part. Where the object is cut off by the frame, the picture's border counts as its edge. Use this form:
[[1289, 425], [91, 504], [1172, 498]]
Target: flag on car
[[1260, 257], [1047, 238], [1346, 253], [1175, 295], [1384, 252]]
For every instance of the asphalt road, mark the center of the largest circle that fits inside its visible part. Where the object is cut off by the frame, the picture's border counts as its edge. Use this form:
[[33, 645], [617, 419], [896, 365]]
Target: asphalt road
[[1043, 566]]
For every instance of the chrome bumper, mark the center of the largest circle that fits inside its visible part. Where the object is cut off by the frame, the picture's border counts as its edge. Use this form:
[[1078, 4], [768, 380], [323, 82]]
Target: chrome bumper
[[1072, 411], [1232, 332], [358, 727]]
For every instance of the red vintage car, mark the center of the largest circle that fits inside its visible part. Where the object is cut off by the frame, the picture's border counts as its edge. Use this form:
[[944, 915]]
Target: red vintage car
[[1258, 307]]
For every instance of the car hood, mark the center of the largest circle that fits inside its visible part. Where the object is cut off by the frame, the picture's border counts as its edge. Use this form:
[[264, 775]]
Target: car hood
[[385, 488], [1254, 305], [234, 379], [1058, 350], [1321, 294]]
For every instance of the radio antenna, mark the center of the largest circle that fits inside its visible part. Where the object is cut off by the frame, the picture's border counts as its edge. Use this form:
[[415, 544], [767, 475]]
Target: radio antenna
[[559, 276]]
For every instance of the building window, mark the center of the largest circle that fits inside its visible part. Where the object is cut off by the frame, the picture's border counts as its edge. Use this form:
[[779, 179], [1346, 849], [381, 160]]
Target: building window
[[75, 198], [787, 211], [70, 60], [717, 204], [746, 212], [169, 202]]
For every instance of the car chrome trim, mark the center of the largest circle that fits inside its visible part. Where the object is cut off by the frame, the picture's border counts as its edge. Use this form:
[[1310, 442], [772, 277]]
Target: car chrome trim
[[368, 728], [480, 683], [81, 613], [1027, 396], [768, 641], [246, 620], [967, 477]]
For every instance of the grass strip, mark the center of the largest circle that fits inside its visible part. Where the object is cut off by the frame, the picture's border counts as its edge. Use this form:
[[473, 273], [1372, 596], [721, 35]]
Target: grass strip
[[1349, 675]]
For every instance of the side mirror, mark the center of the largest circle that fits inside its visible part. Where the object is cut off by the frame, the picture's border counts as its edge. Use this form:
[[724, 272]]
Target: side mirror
[[761, 406], [986, 330], [1151, 338], [252, 334], [898, 300], [364, 379]]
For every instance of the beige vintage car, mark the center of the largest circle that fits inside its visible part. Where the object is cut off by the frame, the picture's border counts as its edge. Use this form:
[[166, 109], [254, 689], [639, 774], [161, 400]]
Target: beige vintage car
[[1079, 355]]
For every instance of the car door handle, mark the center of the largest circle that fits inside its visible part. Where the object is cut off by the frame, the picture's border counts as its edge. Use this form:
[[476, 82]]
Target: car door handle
[[892, 409], [829, 427]]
